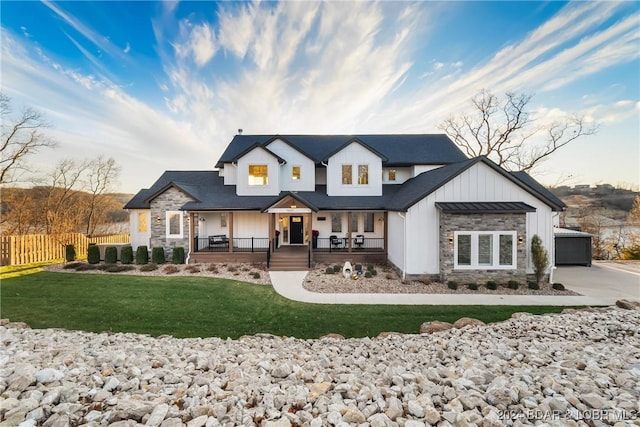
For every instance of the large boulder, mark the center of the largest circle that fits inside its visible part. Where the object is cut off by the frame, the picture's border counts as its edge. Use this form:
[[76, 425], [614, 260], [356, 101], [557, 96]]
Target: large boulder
[[628, 305], [434, 326], [467, 321]]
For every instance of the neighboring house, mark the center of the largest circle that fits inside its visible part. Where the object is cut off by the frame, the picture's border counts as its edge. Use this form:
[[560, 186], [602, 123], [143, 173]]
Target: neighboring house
[[415, 201]]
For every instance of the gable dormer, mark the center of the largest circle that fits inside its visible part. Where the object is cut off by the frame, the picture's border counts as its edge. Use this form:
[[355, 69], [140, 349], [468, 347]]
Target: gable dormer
[[298, 173], [354, 169], [258, 172]]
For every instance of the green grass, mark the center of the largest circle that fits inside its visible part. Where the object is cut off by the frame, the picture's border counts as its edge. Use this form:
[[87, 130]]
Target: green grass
[[204, 307], [8, 271]]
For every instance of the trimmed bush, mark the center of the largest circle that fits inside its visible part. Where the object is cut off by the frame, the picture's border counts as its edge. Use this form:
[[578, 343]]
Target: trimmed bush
[[473, 286], [256, 275], [110, 255], [177, 257], [533, 285], [452, 285], [368, 274], [370, 267], [558, 286], [358, 267], [72, 266], [337, 268], [329, 270], [69, 253], [142, 255], [170, 269], [513, 284], [213, 268], [149, 267], [126, 255], [540, 257], [93, 254], [492, 285], [157, 255]]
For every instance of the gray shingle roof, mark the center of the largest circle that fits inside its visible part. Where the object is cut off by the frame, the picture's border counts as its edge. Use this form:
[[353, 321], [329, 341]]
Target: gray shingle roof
[[484, 207], [396, 150]]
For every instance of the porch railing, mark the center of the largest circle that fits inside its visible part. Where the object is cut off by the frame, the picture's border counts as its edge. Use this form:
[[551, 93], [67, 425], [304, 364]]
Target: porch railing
[[341, 244], [240, 244]]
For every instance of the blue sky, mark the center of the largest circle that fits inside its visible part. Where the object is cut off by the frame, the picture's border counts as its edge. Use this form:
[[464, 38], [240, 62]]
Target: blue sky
[[165, 86]]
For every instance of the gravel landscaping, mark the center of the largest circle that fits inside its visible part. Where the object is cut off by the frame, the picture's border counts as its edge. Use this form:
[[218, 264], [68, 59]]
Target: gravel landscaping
[[579, 368]]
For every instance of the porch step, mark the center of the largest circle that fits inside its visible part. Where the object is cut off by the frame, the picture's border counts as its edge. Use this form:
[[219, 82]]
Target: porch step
[[289, 261]]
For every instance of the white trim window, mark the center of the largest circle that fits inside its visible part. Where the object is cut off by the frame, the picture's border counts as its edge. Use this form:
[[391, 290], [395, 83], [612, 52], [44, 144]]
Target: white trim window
[[295, 173], [485, 250], [174, 224], [258, 175]]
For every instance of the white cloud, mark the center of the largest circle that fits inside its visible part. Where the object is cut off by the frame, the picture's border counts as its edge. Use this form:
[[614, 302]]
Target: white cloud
[[202, 44], [127, 48]]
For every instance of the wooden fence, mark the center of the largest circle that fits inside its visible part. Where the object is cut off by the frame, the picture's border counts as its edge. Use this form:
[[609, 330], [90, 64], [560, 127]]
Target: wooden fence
[[30, 248]]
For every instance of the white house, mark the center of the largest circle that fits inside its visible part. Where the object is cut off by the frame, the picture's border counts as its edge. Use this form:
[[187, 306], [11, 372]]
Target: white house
[[415, 201]]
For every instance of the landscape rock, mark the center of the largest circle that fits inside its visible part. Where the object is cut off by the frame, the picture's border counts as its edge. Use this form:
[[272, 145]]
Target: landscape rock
[[434, 326], [467, 321], [628, 305], [572, 363]]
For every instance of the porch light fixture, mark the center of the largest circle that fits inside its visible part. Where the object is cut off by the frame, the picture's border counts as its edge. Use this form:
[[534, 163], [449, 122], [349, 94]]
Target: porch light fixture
[[520, 239], [158, 219], [202, 219], [293, 206], [451, 241]]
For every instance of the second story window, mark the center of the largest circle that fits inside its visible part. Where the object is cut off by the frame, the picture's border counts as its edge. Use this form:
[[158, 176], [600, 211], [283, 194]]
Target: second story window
[[295, 173], [346, 174], [392, 174], [363, 174], [258, 174]]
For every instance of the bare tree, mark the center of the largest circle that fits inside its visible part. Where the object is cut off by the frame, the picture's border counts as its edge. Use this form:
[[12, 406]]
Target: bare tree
[[21, 136], [503, 130], [102, 173]]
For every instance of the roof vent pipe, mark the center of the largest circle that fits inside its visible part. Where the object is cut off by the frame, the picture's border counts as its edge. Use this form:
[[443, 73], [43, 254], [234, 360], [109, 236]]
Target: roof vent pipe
[[239, 131]]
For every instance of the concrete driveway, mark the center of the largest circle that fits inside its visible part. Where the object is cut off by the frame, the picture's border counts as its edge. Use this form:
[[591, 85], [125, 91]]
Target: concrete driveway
[[607, 281]]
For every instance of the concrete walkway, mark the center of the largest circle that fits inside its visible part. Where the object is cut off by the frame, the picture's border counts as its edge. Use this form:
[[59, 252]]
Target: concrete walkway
[[598, 285]]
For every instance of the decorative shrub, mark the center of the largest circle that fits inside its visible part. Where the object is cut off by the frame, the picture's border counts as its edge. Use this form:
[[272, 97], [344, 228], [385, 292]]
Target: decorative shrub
[[558, 286], [337, 268], [170, 269], [358, 267], [86, 267], [177, 257], [492, 285], [473, 286], [372, 271], [213, 269], [142, 255], [452, 285], [539, 257], [368, 275], [157, 255], [193, 269], [114, 268], [126, 255], [533, 285], [149, 267], [93, 254], [72, 265], [69, 253], [110, 255], [370, 267], [329, 270], [232, 269], [256, 275], [513, 284]]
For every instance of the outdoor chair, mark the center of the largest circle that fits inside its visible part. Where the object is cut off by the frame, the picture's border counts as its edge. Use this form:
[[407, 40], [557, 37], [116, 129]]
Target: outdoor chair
[[335, 241], [359, 240]]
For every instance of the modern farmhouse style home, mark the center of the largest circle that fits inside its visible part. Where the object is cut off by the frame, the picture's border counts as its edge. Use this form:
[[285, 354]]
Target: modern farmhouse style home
[[415, 201]]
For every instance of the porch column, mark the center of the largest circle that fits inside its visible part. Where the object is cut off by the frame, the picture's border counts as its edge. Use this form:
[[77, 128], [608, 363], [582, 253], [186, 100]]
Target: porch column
[[348, 232], [230, 215], [272, 231], [191, 231], [386, 232]]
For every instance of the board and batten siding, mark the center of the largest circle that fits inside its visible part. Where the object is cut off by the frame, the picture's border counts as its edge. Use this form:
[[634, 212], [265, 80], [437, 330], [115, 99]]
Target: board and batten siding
[[258, 156], [230, 173], [139, 238], [479, 183], [354, 154], [250, 224], [294, 158], [396, 241]]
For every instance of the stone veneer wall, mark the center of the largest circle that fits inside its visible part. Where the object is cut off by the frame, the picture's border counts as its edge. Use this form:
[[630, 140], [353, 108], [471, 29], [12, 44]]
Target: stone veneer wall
[[170, 200], [482, 222]]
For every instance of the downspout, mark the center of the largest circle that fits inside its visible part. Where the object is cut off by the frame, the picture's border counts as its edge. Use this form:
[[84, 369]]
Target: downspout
[[553, 247], [404, 244]]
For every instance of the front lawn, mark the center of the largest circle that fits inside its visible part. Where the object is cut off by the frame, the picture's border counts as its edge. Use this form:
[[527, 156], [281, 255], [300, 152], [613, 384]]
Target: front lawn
[[204, 307]]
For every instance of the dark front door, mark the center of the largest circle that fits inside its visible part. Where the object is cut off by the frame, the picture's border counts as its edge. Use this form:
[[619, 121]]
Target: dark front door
[[296, 227]]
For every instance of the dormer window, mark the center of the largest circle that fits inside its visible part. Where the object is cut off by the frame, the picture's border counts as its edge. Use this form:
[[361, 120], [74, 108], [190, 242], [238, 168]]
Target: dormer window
[[258, 174], [363, 174], [295, 173], [392, 174], [346, 174]]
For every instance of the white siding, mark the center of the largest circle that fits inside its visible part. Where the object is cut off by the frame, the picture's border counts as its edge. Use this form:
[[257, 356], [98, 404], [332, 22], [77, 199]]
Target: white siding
[[211, 225], [354, 154], [294, 158], [396, 242], [230, 172], [479, 183], [139, 238], [324, 227], [402, 174], [250, 224], [258, 156]]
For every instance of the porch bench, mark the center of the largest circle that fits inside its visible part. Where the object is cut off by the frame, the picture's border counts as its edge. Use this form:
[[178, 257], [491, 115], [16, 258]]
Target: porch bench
[[218, 240]]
